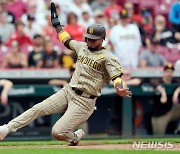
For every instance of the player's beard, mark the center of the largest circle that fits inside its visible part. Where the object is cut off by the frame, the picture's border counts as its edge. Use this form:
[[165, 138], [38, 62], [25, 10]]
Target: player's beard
[[93, 49]]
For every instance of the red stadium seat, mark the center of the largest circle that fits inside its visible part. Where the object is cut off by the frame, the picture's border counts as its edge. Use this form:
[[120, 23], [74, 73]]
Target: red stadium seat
[[134, 1], [162, 50], [149, 3], [173, 55]]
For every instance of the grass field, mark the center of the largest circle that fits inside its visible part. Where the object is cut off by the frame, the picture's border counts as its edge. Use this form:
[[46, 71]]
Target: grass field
[[116, 146]]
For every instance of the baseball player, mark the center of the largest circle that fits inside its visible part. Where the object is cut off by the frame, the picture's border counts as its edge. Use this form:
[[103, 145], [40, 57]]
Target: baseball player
[[94, 68]]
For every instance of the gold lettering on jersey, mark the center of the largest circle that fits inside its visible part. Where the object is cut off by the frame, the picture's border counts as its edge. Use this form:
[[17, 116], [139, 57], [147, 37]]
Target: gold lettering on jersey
[[90, 62]]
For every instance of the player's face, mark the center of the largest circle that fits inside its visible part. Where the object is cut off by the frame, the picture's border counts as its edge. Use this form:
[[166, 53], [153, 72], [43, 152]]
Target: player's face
[[168, 74], [94, 44]]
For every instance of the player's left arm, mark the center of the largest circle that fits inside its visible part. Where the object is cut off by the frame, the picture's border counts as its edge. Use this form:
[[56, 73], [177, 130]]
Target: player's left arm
[[115, 72], [121, 91]]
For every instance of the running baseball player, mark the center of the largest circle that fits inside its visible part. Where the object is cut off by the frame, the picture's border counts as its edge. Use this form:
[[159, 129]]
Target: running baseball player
[[94, 68]]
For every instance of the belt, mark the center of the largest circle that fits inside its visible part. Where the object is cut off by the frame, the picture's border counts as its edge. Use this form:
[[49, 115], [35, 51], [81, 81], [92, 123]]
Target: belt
[[80, 93]]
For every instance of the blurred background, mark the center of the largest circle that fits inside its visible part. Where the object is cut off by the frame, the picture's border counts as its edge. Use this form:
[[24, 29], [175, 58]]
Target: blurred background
[[143, 34]]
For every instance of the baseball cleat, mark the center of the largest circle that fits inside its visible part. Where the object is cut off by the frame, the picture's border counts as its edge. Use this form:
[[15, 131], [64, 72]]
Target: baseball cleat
[[4, 131], [79, 134]]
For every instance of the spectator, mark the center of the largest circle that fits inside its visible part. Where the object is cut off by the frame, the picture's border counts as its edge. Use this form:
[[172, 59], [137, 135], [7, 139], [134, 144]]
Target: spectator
[[99, 4], [6, 29], [111, 23], [42, 13], [31, 27], [10, 15], [144, 34], [147, 20], [3, 49], [17, 7], [67, 59], [49, 31], [75, 30], [129, 80], [86, 20], [31, 10], [126, 41], [61, 15], [163, 34], [150, 57], [33, 18], [49, 56], [165, 108], [6, 85], [131, 12], [100, 18], [19, 35], [174, 15], [65, 7], [78, 7], [112, 10], [36, 54], [15, 59]]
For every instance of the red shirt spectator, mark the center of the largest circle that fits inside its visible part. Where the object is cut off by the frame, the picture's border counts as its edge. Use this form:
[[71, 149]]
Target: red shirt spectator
[[75, 30], [112, 11], [19, 35], [17, 7]]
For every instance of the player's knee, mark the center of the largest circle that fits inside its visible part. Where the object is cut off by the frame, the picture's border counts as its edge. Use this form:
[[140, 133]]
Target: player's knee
[[59, 135]]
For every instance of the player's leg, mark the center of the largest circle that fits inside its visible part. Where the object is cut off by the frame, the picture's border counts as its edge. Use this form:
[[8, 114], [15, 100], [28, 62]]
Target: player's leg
[[175, 113], [54, 104], [159, 124], [74, 115]]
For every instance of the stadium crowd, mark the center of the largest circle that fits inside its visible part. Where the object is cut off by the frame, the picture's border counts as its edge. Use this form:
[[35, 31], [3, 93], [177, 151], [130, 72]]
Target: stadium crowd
[[149, 32], [140, 33]]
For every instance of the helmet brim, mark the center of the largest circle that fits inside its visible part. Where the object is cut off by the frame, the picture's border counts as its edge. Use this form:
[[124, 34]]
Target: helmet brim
[[90, 36]]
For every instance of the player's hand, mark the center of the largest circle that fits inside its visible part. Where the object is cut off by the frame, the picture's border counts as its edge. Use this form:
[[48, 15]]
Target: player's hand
[[54, 16], [124, 92]]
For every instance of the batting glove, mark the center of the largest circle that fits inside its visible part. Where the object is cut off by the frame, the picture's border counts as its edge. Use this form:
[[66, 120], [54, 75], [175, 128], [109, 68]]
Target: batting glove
[[54, 16]]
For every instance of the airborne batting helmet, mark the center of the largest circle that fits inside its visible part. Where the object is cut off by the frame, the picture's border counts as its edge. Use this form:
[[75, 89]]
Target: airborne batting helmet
[[95, 32]]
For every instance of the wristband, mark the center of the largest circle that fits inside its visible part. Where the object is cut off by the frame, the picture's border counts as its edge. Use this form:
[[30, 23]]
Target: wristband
[[62, 36], [118, 80]]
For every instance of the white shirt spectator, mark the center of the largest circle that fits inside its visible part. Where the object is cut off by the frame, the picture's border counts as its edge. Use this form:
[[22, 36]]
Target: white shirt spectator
[[78, 9], [6, 29], [86, 20], [126, 42]]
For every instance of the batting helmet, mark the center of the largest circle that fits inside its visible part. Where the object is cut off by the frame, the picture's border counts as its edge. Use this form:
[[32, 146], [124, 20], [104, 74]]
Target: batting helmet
[[95, 32]]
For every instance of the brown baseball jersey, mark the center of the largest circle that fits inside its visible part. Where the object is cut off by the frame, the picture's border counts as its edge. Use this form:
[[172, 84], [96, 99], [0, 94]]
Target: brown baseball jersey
[[93, 71], [93, 68]]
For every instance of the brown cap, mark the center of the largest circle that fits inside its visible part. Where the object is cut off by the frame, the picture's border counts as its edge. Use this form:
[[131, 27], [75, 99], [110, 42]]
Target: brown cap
[[169, 66], [123, 13]]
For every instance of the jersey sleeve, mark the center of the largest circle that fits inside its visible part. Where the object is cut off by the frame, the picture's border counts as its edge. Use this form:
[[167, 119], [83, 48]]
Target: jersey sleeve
[[113, 67], [76, 46]]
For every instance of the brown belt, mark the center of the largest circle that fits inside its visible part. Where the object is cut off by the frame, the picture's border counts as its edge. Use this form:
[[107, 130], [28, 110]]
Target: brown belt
[[80, 92]]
